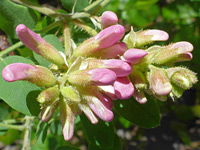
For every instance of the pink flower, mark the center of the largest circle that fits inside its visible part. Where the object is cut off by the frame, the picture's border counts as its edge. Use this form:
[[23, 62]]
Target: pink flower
[[36, 74], [108, 18]]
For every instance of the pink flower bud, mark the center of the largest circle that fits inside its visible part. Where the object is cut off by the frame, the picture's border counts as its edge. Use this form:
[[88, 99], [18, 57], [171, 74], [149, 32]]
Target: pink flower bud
[[183, 47], [159, 82], [184, 57], [36, 74], [123, 88], [39, 45], [67, 117], [103, 39], [47, 111], [108, 18], [107, 101], [149, 36], [111, 52], [110, 36], [98, 107], [29, 38], [92, 76], [88, 112], [120, 67], [157, 35], [133, 56], [108, 90]]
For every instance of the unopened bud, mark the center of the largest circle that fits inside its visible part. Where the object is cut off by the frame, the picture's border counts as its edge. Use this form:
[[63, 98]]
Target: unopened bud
[[148, 36], [67, 117], [48, 110], [38, 75], [118, 66], [111, 52], [134, 56], [181, 80], [159, 82], [92, 76], [123, 88], [140, 97], [130, 39], [179, 51], [48, 95], [98, 107], [88, 112], [108, 18], [103, 39], [138, 79], [39, 45], [70, 94]]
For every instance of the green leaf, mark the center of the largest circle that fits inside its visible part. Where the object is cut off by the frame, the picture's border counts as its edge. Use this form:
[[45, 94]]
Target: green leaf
[[67, 148], [12, 14], [144, 115], [53, 40], [3, 111], [20, 95], [101, 134], [42, 131], [10, 136], [117, 145], [80, 4]]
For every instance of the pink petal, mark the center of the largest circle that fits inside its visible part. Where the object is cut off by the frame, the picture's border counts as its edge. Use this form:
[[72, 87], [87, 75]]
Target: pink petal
[[108, 18], [123, 88], [134, 55], [109, 36], [157, 35], [102, 76]]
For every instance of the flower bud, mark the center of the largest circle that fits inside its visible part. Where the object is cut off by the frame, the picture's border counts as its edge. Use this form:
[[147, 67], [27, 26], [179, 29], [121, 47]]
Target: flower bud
[[118, 66], [111, 52], [88, 112], [103, 39], [38, 75], [67, 117], [47, 96], [174, 52], [102, 111], [108, 90], [187, 73], [159, 82], [130, 39], [138, 79], [181, 80], [108, 18], [123, 88], [92, 76], [184, 57], [48, 110], [134, 56], [148, 36], [39, 45], [140, 97], [70, 94]]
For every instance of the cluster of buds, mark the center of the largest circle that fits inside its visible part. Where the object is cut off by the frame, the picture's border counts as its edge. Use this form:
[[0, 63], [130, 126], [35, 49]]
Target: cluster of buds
[[155, 74], [100, 70]]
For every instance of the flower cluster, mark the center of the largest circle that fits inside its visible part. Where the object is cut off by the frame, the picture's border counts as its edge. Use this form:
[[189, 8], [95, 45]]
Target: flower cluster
[[100, 70]]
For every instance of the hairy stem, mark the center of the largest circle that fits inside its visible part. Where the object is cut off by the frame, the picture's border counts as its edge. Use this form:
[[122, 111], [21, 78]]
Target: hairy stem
[[27, 134], [10, 49]]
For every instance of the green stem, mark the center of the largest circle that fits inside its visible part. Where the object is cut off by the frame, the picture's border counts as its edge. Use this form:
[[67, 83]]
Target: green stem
[[50, 27], [88, 29], [41, 9], [10, 49], [67, 40], [93, 5], [27, 134], [17, 127]]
